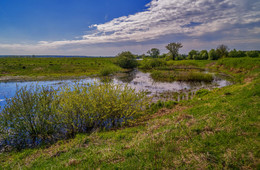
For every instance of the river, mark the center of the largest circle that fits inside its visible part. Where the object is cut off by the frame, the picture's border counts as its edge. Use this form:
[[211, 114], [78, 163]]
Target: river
[[135, 79]]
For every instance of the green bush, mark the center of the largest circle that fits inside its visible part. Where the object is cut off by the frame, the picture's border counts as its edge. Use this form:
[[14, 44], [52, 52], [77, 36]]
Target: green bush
[[99, 105], [126, 60], [40, 114], [30, 116], [213, 55]]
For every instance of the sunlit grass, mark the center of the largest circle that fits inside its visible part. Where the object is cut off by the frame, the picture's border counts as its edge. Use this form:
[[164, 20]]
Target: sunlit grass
[[191, 76], [217, 129], [54, 67]]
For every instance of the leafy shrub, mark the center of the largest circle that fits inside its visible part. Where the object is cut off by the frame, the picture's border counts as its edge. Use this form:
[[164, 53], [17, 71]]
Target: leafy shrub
[[40, 114], [193, 54], [126, 60], [100, 105], [203, 55], [29, 116], [213, 55]]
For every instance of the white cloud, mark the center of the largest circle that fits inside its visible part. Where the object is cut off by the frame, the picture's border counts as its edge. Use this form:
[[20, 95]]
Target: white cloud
[[163, 18]]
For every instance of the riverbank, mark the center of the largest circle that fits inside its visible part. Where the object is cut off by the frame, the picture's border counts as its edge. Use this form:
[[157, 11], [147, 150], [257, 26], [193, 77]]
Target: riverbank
[[37, 69], [216, 129]]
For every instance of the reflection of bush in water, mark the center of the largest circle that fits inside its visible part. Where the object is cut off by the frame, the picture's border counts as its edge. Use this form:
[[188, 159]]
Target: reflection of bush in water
[[40, 114]]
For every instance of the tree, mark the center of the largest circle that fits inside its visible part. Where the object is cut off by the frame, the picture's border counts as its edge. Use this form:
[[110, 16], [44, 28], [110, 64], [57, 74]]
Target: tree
[[193, 54], [154, 52], [236, 54], [181, 57], [252, 54], [203, 55], [213, 55], [126, 60], [174, 49], [222, 50]]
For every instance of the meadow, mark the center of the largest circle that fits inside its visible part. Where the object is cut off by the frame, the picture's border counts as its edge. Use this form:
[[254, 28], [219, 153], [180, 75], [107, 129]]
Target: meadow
[[28, 68], [217, 129]]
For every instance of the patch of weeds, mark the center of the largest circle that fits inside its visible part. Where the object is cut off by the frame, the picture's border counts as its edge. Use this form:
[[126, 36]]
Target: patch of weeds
[[202, 92], [108, 70], [154, 107]]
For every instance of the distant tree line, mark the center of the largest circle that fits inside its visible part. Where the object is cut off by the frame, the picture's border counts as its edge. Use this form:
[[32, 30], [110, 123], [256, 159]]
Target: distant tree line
[[222, 51], [127, 60]]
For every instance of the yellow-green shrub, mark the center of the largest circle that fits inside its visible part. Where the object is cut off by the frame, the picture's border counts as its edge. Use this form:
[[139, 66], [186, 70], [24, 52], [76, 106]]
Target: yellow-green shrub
[[29, 116], [99, 106], [41, 114]]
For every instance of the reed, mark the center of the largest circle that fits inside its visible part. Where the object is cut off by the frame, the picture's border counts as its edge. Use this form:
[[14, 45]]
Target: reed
[[169, 76]]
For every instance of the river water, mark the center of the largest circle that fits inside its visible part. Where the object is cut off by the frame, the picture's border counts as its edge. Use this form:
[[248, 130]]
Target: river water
[[135, 79]]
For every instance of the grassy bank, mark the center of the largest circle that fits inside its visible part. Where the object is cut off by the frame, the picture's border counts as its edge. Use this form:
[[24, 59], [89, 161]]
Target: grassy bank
[[53, 68], [218, 129]]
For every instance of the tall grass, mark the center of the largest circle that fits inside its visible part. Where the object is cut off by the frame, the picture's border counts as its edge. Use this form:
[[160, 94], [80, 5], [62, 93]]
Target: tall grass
[[106, 71], [161, 64], [40, 114], [152, 63], [170, 76], [240, 63]]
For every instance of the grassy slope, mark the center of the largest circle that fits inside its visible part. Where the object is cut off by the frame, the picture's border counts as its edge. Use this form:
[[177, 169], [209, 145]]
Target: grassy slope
[[218, 130], [53, 67]]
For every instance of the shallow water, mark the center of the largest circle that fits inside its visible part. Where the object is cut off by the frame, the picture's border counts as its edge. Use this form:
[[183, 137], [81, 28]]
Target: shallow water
[[136, 79]]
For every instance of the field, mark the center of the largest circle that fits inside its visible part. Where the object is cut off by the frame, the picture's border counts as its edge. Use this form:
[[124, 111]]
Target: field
[[217, 129], [54, 68]]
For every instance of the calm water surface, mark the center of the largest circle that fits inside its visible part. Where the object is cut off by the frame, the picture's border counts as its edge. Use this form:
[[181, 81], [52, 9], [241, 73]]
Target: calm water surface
[[136, 79]]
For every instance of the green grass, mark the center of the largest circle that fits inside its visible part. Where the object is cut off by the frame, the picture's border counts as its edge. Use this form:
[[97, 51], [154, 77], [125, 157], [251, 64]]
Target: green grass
[[195, 63], [106, 71], [215, 130], [169, 76], [161, 64], [39, 68], [242, 69]]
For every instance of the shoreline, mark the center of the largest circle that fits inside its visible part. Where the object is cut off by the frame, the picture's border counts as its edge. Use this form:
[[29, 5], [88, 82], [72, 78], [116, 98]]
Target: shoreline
[[5, 79]]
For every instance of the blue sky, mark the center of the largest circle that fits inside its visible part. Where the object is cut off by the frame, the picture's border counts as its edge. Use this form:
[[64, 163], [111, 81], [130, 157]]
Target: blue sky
[[107, 27]]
